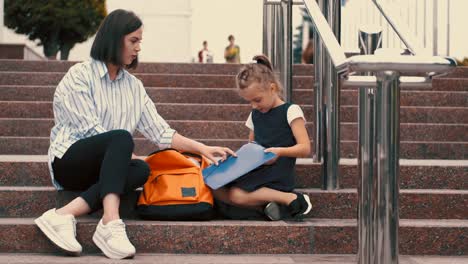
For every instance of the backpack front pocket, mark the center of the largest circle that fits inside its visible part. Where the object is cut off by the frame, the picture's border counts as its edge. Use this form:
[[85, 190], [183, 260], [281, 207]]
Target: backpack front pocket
[[175, 188]]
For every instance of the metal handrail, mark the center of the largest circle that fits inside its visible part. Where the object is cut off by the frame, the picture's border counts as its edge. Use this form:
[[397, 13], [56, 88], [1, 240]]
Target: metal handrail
[[404, 36], [332, 70], [403, 64], [407, 64], [360, 82], [379, 121], [379, 107], [336, 52]]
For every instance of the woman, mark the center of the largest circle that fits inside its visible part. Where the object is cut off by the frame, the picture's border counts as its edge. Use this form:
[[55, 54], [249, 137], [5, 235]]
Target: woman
[[97, 106]]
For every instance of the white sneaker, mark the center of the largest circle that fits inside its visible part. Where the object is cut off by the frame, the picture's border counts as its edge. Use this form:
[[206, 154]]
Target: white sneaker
[[113, 241], [61, 230]]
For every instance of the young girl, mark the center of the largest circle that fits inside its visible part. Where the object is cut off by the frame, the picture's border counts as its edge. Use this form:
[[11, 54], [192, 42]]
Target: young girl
[[280, 128]]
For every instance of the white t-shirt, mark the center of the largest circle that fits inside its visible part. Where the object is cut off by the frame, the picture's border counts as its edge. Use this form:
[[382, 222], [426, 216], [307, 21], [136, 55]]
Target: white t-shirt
[[294, 111], [207, 56]]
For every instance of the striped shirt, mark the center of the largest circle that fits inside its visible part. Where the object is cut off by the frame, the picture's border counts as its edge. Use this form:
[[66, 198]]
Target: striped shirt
[[87, 103]]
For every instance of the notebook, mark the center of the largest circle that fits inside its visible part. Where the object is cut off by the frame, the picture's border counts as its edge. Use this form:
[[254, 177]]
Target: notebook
[[249, 157]]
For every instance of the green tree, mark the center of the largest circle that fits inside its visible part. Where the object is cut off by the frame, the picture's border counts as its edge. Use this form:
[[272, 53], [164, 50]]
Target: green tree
[[57, 24]]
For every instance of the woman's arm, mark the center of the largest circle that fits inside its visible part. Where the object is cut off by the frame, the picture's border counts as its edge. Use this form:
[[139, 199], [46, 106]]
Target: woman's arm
[[73, 100], [155, 128], [302, 148], [212, 153]]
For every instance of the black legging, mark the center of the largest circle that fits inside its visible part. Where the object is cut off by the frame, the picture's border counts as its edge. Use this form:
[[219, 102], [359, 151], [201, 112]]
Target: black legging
[[100, 165]]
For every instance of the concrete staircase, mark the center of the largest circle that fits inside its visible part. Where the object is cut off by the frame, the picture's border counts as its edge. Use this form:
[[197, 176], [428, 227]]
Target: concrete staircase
[[200, 102]]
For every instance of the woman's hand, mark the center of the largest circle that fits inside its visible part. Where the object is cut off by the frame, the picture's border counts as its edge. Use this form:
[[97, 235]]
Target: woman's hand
[[213, 153], [136, 157]]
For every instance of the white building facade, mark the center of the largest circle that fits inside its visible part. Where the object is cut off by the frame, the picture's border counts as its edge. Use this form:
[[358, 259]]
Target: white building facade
[[174, 30], [167, 28]]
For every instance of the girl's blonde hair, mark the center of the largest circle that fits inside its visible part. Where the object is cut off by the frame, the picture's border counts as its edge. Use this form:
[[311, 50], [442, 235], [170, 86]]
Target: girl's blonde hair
[[261, 72]]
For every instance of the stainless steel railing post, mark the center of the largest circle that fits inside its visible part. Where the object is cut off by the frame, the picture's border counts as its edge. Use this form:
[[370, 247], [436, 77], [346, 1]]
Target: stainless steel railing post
[[331, 126], [370, 39], [286, 70], [277, 40], [319, 60], [387, 140]]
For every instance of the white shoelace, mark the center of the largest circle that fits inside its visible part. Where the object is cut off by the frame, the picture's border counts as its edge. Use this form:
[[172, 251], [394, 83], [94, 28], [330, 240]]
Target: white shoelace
[[118, 230], [74, 226], [67, 227]]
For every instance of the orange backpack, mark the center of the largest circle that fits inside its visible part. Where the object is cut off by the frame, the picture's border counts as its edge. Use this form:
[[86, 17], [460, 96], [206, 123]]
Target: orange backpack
[[175, 189]]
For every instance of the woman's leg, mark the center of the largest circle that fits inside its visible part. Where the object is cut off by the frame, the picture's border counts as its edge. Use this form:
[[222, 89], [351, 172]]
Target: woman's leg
[[137, 175], [99, 165]]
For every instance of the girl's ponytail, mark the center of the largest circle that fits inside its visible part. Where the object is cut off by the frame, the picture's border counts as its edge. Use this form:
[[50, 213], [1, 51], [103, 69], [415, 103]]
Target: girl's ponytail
[[263, 60]]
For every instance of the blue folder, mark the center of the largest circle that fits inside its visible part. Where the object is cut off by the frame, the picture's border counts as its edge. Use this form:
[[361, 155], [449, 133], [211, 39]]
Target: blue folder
[[249, 157]]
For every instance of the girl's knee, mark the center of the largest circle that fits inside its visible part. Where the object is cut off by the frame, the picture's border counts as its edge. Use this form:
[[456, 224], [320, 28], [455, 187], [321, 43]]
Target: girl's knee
[[237, 196]]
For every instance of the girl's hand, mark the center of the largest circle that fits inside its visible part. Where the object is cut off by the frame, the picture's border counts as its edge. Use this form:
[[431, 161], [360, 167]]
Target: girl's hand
[[213, 153], [277, 151]]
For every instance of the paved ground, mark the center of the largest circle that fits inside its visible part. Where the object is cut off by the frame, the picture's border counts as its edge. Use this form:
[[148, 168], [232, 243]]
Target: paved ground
[[223, 259]]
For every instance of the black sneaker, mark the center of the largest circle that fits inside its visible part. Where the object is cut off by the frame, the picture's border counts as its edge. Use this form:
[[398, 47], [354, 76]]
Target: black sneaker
[[273, 211], [300, 206]]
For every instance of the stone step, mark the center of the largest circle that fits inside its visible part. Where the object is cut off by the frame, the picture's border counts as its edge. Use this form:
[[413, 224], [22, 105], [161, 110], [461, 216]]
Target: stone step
[[230, 96], [143, 67], [240, 112], [150, 80], [460, 72], [450, 84], [342, 203], [169, 68], [237, 130], [38, 258], [203, 80], [414, 174], [317, 236], [408, 149]]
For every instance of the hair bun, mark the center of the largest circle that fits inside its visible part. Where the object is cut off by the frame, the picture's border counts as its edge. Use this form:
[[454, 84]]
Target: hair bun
[[262, 59]]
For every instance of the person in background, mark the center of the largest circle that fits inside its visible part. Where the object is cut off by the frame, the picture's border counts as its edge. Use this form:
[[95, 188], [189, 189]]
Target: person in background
[[205, 55], [232, 51], [308, 53]]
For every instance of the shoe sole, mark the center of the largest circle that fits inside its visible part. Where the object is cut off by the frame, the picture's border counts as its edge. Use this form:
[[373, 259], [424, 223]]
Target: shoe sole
[[52, 236], [309, 204], [102, 245], [272, 211]]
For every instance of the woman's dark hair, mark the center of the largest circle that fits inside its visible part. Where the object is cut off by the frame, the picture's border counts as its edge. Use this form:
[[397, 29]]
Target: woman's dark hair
[[108, 43], [260, 71]]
